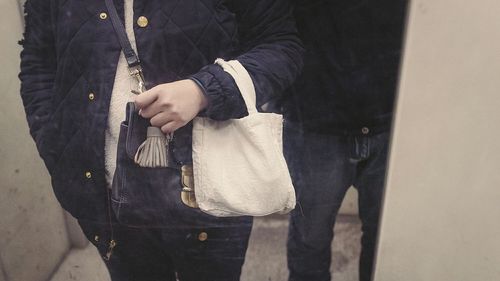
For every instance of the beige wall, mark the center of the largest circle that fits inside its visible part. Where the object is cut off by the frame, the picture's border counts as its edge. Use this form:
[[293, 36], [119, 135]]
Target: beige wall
[[441, 218], [32, 226]]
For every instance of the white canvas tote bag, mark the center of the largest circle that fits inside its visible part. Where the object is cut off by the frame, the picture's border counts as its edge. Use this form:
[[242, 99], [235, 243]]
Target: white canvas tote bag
[[238, 164]]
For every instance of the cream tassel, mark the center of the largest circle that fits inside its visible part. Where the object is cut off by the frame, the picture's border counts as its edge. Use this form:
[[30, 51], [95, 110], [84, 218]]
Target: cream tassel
[[153, 152]]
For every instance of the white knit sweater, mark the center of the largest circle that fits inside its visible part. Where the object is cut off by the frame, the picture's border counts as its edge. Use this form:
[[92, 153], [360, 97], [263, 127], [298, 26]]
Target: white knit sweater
[[120, 96]]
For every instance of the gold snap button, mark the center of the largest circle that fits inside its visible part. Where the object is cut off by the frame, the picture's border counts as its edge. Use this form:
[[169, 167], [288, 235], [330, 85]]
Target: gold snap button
[[91, 96], [96, 238], [88, 175], [103, 16], [365, 130], [142, 21], [203, 236]]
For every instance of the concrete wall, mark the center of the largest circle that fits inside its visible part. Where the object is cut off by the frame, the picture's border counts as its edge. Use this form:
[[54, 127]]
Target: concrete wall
[[442, 207], [32, 226], [33, 232]]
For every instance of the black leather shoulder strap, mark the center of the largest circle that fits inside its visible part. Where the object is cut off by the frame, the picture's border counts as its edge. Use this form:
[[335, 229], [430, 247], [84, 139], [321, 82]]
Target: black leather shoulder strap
[[130, 55]]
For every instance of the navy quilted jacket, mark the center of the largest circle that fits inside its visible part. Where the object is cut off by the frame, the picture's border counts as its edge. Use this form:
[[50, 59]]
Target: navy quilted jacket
[[70, 56], [351, 68]]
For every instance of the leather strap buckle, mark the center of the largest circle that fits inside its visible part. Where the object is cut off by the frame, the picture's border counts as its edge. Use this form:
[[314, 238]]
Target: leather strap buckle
[[136, 72]]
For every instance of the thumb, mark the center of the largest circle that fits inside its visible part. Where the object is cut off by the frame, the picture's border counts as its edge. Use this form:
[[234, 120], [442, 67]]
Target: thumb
[[146, 98]]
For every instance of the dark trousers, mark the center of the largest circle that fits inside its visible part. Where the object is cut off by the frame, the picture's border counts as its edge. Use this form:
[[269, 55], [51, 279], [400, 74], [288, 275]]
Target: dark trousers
[[323, 167], [189, 254]]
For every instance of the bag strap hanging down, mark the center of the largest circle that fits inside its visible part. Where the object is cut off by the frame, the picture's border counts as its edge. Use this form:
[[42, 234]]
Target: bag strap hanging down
[[133, 62]]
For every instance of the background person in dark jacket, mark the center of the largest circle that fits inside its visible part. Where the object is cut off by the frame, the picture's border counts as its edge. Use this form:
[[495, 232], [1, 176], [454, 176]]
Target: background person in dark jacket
[[73, 80], [338, 120]]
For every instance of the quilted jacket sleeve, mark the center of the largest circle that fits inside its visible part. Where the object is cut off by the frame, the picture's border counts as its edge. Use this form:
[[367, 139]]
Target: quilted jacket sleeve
[[271, 53], [38, 65]]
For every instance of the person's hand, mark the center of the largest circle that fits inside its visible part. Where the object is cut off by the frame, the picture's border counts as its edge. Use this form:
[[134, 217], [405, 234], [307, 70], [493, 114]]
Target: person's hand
[[171, 105]]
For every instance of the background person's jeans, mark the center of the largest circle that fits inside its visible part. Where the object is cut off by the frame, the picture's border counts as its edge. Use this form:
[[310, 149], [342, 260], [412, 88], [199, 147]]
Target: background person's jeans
[[191, 254], [323, 168]]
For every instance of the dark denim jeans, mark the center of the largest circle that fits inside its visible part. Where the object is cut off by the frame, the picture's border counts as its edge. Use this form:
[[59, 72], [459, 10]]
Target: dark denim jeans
[[189, 254], [323, 167]]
